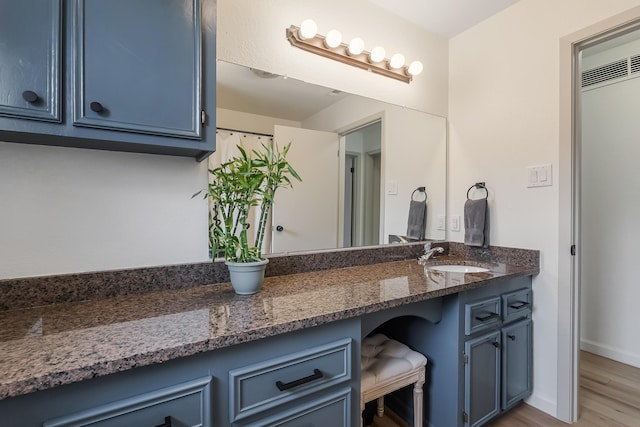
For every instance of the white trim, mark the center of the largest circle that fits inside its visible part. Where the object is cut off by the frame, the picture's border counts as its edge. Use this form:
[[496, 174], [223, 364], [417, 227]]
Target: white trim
[[611, 353], [568, 285], [543, 403]]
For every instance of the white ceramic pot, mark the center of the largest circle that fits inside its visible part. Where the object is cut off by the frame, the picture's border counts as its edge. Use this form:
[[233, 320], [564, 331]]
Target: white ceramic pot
[[247, 277]]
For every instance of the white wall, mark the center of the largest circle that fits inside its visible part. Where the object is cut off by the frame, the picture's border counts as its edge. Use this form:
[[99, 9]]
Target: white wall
[[504, 94], [610, 210], [252, 33], [248, 122], [65, 210]]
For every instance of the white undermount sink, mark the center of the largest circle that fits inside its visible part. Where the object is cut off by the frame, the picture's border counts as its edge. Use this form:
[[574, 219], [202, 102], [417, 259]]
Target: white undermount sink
[[459, 268]]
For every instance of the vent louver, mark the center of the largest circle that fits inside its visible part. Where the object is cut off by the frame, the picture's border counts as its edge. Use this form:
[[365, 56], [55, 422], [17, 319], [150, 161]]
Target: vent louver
[[635, 64], [605, 73]]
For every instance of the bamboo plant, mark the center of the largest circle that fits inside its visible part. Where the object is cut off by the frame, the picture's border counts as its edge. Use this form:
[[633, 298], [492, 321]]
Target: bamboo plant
[[245, 181]]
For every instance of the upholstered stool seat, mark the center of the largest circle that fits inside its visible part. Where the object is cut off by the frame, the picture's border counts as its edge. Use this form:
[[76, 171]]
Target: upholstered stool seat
[[388, 365]]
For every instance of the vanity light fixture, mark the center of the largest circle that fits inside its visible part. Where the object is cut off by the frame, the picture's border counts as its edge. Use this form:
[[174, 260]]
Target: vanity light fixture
[[306, 37]]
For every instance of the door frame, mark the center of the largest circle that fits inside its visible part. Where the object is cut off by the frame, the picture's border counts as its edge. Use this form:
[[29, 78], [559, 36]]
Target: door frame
[[567, 403]]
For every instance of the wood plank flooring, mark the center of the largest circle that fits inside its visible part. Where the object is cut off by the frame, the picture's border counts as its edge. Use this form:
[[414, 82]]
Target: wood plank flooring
[[609, 397]]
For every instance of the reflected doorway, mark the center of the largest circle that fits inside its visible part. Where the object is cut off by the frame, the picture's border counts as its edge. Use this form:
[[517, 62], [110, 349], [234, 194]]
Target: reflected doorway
[[363, 166]]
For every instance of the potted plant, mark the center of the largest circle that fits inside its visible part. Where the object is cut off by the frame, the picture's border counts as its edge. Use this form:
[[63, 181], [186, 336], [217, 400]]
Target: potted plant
[[237, 185]]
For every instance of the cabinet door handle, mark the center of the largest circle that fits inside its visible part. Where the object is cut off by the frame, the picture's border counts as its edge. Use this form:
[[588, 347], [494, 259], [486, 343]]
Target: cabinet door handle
[[518, 305], [487, 317], [30, 96], [511, 337], [96, 107], [286, 386], [167, 422], [279, 228], [496, 344]]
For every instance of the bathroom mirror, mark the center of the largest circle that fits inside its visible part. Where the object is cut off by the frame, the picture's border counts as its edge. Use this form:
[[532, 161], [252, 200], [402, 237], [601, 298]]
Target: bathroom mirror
[[361, 160]]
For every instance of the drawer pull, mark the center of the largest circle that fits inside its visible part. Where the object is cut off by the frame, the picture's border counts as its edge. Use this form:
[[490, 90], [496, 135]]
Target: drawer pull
[[518, 305], [167, 422], [487, 317], [286, 386]]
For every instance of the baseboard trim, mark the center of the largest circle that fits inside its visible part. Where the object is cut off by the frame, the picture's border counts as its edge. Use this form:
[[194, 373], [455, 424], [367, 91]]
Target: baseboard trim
[[543, 404], [611, 353]]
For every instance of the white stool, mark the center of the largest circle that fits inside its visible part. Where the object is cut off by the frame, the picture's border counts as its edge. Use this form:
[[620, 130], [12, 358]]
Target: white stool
[[386, 366]]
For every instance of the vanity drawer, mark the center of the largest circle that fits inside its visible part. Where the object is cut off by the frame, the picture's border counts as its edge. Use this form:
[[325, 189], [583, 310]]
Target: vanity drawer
[[186, 404], [516, 305], [481, 315], [262, 386], [333, 410]]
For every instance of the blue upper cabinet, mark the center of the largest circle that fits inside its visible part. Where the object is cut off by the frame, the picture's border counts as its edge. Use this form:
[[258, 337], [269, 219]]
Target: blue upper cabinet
[[30, 37], [138, 75], [137, 66]]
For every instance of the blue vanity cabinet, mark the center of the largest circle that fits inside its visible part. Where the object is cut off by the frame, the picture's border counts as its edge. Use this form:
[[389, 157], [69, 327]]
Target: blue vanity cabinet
[[137, 66], [482, 379], [30, 52], [498, 350], [264, 382], [138, 75]]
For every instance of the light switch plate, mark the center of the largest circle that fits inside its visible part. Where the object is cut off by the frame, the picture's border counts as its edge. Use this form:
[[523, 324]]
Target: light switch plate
[[539, 176], [392, 187], [442, 222], [455, 223]]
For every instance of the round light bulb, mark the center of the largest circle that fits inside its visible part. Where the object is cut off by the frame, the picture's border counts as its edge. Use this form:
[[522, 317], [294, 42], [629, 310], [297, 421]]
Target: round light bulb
[[377, 54], [356, 46], [308, 29], [396, 61], [333, 39], [415, 68]]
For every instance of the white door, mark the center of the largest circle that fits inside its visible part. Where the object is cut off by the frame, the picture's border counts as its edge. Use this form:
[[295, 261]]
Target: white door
[[305, 217]]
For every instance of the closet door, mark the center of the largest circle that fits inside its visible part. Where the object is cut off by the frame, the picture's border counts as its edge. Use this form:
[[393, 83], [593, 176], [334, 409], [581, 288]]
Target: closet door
[[30, 59]]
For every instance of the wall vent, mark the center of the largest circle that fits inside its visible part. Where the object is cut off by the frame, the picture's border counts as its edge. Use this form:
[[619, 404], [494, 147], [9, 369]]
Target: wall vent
[[604, 73], [635, 64]]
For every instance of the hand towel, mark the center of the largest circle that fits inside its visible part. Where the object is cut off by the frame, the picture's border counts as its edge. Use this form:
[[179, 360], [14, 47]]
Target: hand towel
[[476, 223], [417, 219]]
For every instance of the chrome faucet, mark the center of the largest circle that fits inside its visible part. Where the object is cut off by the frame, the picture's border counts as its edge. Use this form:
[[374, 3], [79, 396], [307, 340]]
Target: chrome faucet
[[429, 252]]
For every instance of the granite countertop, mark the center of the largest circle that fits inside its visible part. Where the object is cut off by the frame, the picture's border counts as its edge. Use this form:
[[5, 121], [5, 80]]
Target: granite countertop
[[57, 344]]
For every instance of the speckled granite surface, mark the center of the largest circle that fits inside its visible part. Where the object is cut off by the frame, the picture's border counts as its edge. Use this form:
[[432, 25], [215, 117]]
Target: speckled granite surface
[[47, 346]]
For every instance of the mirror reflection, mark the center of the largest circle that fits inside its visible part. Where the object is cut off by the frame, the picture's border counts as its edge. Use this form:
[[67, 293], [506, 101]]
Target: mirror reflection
[[362, 161]]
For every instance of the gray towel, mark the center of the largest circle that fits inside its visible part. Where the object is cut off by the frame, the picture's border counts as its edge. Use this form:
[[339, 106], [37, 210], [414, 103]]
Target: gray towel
[[476, 223], [417, 219]]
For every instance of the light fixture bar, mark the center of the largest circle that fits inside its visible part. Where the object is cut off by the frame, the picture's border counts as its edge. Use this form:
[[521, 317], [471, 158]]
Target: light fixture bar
[[316, 45]]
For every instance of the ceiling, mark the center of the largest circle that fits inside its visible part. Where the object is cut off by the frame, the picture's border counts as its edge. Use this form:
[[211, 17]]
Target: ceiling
[[445, 17]]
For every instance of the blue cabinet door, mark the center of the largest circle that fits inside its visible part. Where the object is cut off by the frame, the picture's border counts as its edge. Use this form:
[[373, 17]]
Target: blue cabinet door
[[482, 379], [517, 362], [30, 37], [137, 66]]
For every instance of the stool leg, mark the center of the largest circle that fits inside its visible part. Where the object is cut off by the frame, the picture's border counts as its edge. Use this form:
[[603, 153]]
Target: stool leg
[[417, 401], [361, 411], [381, 406]]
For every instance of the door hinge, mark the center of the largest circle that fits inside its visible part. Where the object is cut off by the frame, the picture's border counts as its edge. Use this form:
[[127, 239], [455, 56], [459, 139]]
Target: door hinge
[[465, 417], [203, 117], [465, 358], [573, 250]]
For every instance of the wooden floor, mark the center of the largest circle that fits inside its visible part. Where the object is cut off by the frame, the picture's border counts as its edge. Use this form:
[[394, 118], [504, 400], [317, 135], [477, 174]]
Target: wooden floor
[[609, 397]]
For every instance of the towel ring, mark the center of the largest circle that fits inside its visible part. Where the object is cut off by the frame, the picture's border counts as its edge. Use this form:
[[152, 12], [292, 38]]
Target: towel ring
[[479, 186], [421, 190]]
